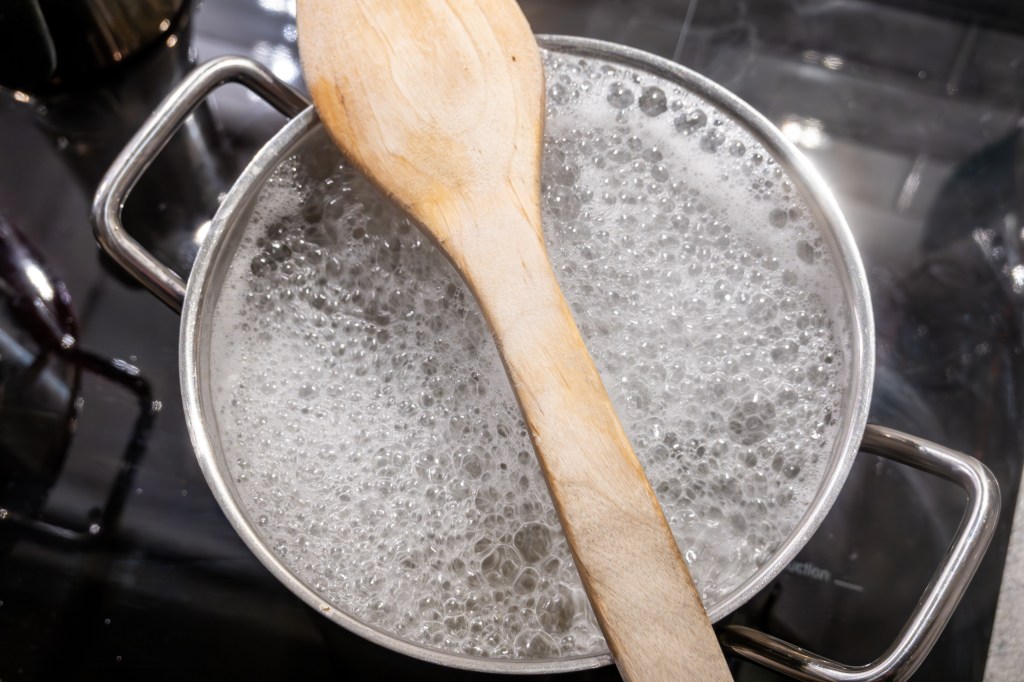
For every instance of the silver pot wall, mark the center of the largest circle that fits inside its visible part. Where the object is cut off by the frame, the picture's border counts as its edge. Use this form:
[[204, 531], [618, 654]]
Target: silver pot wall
[[196, 299]]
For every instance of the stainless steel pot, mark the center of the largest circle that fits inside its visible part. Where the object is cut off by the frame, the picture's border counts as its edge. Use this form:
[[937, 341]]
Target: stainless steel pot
[[195, 302]]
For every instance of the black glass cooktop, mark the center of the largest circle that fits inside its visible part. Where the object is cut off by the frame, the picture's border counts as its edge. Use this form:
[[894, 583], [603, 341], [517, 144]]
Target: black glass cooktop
[[115, 561]]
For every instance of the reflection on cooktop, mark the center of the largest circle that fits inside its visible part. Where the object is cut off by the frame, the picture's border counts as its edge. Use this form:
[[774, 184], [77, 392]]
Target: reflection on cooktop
[[41, 366]]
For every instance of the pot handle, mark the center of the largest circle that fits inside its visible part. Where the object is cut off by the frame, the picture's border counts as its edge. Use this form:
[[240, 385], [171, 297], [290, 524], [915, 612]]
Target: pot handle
[[941, 596], [147, 143]]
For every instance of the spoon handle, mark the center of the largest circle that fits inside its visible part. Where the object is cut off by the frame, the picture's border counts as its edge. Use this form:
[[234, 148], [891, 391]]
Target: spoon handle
[[625, 552]]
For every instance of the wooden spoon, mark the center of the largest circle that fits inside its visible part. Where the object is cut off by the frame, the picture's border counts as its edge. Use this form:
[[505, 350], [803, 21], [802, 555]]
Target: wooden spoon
[[441, 104]]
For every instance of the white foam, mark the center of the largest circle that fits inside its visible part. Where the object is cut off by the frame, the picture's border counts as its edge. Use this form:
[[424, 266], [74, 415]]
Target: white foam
[[367, 421]]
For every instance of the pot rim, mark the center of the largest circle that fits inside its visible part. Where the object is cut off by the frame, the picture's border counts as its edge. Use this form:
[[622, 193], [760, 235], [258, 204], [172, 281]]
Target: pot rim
[[194, 333]]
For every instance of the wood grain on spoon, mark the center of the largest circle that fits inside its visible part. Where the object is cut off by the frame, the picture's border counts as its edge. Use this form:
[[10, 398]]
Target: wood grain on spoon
[[441, 104]]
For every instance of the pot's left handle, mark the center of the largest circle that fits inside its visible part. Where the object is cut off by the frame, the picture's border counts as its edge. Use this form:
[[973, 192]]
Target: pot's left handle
[[147, 143]]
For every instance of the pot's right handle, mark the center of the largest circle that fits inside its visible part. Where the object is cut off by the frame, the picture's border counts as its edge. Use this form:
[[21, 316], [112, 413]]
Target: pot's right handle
[[143, 148], [941, 596]]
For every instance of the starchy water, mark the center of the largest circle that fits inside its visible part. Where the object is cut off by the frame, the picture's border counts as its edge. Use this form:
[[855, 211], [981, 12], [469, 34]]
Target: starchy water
[[371, 432]]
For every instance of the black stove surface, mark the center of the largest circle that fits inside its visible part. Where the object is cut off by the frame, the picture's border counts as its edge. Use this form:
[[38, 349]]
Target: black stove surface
[[115, 560]]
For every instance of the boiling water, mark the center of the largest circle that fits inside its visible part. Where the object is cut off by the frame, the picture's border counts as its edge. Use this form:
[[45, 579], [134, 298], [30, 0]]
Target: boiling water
[[370, 429]]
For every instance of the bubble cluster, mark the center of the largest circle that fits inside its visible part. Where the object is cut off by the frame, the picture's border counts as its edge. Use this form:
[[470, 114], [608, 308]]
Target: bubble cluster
[[373, 437]]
